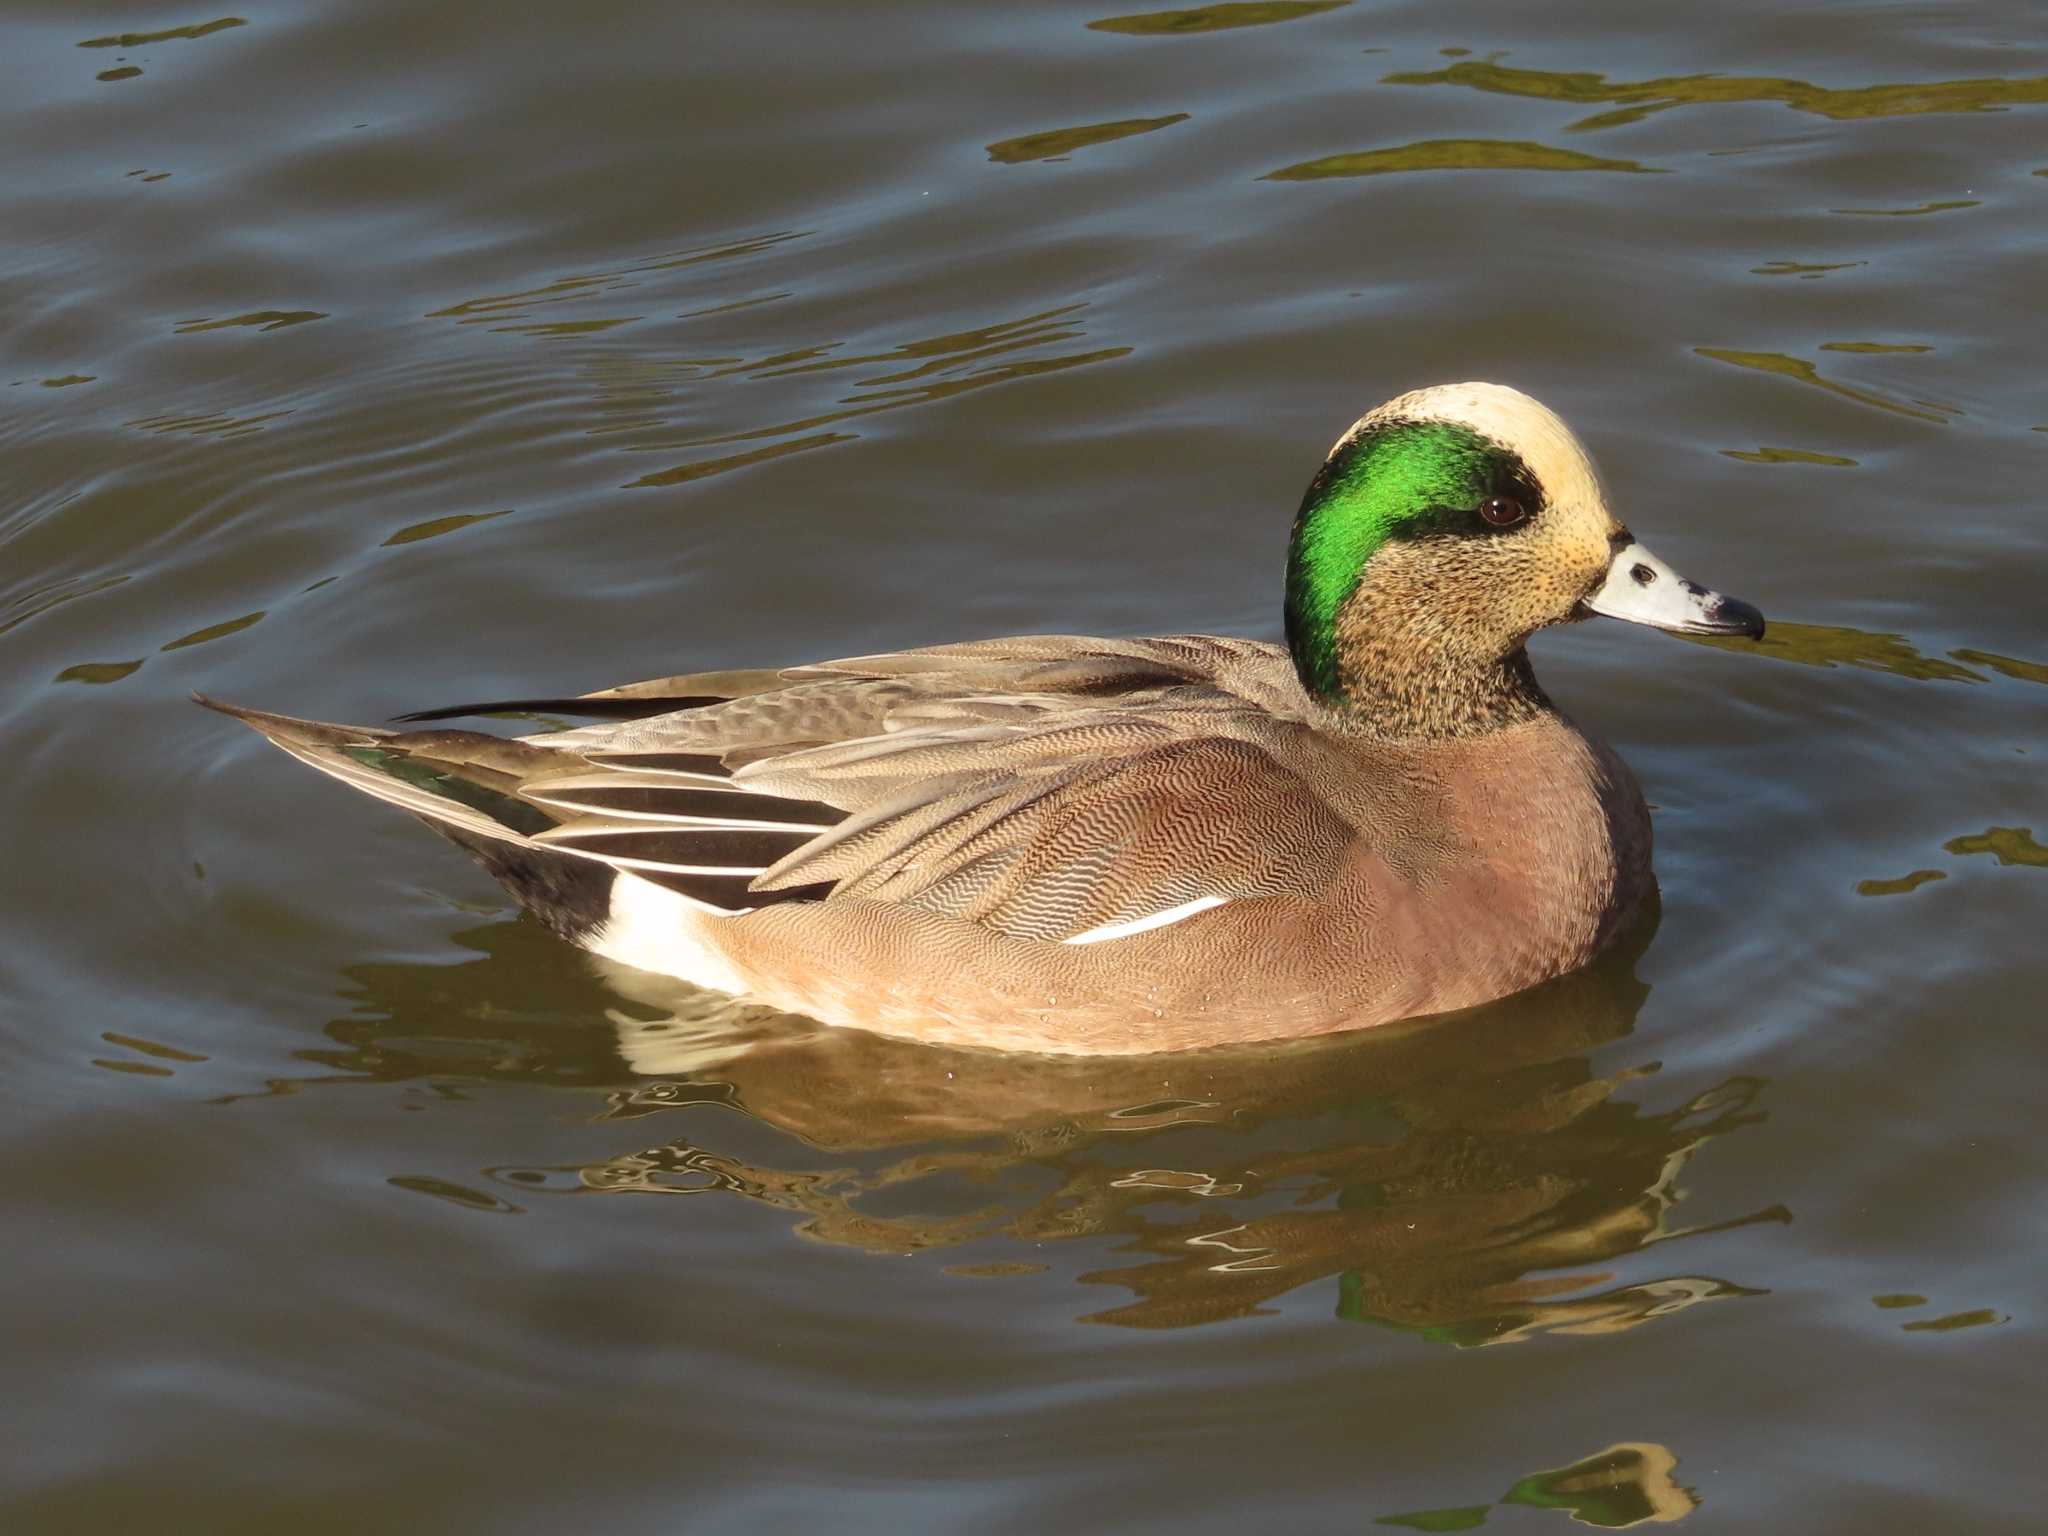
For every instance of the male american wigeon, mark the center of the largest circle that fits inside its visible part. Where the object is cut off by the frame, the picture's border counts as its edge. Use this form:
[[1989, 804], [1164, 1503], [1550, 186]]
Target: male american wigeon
[[1083, 845]]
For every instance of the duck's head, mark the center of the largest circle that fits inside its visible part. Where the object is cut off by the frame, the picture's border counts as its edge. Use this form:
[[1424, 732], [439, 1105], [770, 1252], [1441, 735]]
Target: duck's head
[[1443, 530]]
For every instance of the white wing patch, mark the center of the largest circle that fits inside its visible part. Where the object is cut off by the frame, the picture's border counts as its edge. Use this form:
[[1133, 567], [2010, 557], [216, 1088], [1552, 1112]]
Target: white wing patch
[[1145, 924]]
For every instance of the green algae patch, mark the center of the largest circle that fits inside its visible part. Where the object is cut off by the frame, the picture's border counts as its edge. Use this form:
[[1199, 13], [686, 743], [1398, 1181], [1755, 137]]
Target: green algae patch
[[97, 672], [1454, 155], [1982, 1317], [1900, 886], [2009, 845], [1212, 18], [1064, 141], [169, 34], [434, 527], [215, 631], [1786, 456]]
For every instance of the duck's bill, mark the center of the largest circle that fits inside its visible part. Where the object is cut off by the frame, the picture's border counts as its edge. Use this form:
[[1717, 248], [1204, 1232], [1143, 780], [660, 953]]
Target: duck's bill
[[1644, 590]]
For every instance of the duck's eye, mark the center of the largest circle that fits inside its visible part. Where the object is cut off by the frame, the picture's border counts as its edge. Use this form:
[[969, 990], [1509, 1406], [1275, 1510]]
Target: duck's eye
[[1502, 511]]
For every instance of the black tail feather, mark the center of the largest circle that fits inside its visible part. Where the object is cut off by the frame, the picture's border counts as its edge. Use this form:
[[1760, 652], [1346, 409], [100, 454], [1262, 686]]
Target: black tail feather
[[591, 709], [570, 895]]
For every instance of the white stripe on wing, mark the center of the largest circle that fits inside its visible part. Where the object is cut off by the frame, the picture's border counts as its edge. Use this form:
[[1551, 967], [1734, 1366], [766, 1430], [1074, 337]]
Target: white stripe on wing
[[1171, 915]]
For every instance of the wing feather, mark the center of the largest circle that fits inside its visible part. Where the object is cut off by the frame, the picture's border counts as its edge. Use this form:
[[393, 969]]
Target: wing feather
[[630, 797], [1049, 787]]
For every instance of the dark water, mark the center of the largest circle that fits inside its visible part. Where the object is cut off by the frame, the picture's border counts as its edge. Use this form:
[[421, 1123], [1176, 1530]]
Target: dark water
[[362, 357]]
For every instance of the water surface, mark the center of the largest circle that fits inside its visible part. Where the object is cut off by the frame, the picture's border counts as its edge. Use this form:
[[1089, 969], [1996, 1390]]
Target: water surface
[[363, 358]]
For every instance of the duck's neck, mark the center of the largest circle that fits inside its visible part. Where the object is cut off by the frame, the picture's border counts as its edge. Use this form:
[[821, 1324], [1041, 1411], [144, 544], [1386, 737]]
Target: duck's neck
[[1395, 700], [1401, 677]]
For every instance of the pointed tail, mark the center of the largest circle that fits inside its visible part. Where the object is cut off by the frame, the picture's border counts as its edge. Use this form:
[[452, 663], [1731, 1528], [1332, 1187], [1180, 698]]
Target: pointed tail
[[455, 779], [461, 783]]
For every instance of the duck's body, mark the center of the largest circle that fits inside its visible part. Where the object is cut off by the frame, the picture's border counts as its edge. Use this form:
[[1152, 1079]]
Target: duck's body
[[1069, 844], [1331, 925]]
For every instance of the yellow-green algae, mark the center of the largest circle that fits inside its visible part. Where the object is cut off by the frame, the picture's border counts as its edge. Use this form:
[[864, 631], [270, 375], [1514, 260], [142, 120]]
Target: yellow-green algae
[[1212, 18], [2009, 845], [1900, 886], [1453, 155], [1785, 456], [1640, 98], [1804, 372], [1064, 141]]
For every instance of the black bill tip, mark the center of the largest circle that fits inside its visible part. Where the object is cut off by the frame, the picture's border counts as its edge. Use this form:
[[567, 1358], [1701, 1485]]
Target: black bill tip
[[1732, 616]]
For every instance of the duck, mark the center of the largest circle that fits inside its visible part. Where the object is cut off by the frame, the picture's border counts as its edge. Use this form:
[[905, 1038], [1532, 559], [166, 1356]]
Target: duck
[[1114, 846]]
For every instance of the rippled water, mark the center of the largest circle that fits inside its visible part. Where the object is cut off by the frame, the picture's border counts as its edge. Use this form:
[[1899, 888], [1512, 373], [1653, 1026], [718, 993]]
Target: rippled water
[[360, 358]]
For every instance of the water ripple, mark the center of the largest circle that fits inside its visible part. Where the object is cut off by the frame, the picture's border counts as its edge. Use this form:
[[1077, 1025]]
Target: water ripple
[[1453, 155], [1213, 18], [1645, 98]]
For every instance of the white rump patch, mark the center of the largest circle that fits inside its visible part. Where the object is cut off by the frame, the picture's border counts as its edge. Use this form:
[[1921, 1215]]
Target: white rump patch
[[1164, 919], [653, 928]]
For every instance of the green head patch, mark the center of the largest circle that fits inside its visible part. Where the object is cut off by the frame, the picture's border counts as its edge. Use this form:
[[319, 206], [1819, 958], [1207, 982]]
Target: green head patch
[[1395, 480]]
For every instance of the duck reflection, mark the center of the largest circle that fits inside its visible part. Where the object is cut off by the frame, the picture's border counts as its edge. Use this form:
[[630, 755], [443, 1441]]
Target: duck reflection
[[1626, 1485], [1472, 1178]]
